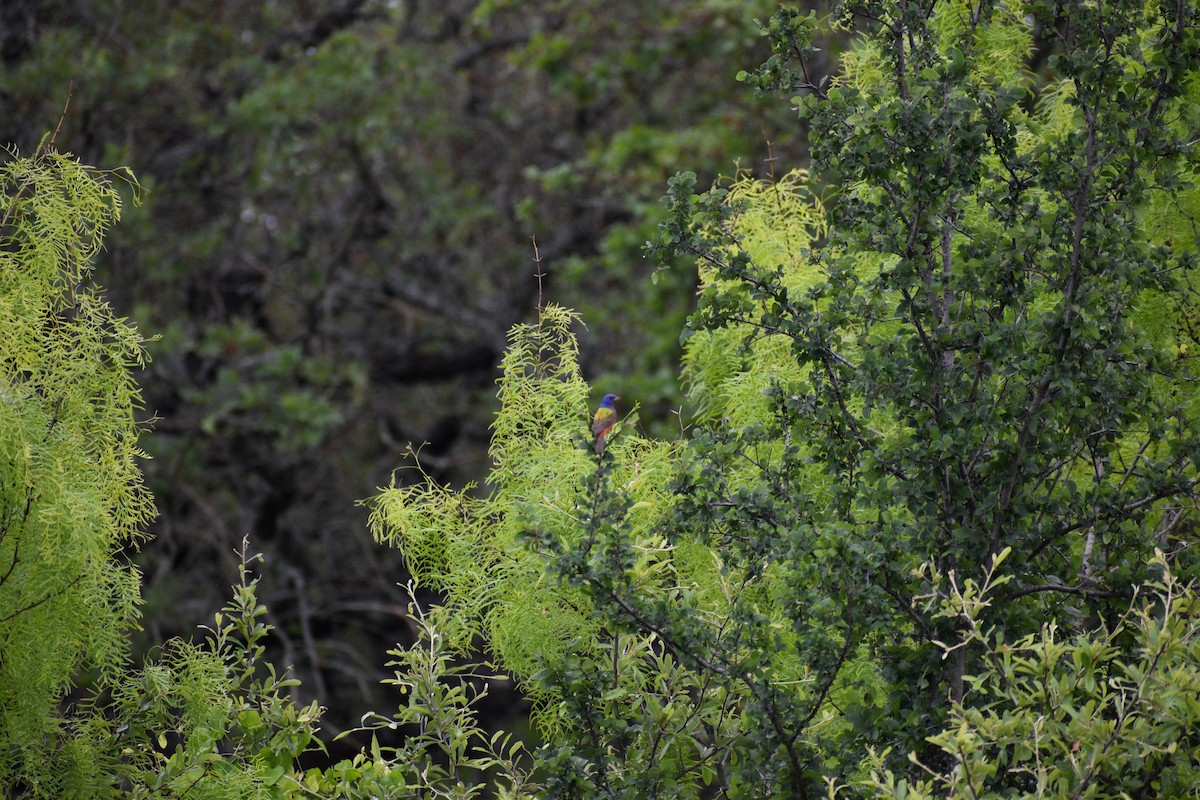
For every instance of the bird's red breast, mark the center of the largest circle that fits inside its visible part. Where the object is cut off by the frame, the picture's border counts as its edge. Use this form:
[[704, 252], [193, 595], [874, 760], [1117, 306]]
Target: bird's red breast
[[603, 420]]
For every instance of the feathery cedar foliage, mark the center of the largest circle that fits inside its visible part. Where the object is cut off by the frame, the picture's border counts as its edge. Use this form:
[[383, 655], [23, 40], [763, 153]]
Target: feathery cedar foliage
[[73, 498]]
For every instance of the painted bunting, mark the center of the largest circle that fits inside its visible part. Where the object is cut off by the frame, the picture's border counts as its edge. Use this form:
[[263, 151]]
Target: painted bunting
[[604, 419]]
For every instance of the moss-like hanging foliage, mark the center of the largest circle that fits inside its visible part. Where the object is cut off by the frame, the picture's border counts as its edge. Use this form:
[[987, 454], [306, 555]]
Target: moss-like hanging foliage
[[70, 490], [479, 551]]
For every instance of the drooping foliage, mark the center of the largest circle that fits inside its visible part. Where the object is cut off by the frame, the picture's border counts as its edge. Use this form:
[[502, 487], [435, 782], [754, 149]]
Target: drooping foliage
[[72, 492], [504, 562], [477, 551], [77, 718]]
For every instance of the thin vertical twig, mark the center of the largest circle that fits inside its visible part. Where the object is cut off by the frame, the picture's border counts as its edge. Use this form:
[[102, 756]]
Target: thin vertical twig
[[45, 145], [63, 115], [537, 259], [771, 157]]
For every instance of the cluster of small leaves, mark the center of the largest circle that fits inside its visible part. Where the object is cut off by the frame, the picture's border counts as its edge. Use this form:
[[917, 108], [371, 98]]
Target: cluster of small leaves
[[217, 721], [213, 719], [637, 722], [692, 661], [445, 754], [268, 391], [1109, 713], [790, 34]]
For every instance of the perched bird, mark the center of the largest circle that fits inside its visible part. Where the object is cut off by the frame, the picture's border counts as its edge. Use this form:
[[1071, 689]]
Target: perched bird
[[604, 419]]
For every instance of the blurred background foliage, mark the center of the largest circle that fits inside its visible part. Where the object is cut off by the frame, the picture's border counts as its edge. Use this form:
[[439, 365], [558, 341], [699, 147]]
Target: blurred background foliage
[[343, 196]]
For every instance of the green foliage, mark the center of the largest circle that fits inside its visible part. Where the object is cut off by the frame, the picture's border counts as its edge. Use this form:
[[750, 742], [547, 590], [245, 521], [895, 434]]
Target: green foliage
[[569, 570], [972, 355], [474, 550], [213, 719], [271, 391], [72, 493], [343, 195], [199, 720], [343, 199], [978, 357], [1108, 713], [445, 753], [778, 222]]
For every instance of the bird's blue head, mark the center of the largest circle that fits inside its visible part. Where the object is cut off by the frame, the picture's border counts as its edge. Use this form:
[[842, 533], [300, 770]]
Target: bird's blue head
[[609, 399]]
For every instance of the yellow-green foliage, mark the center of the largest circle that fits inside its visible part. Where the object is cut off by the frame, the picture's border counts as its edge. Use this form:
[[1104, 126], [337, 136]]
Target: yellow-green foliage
[[1171, 218], [473, 550], [777, 223], [72, 495], [1004, 46]]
